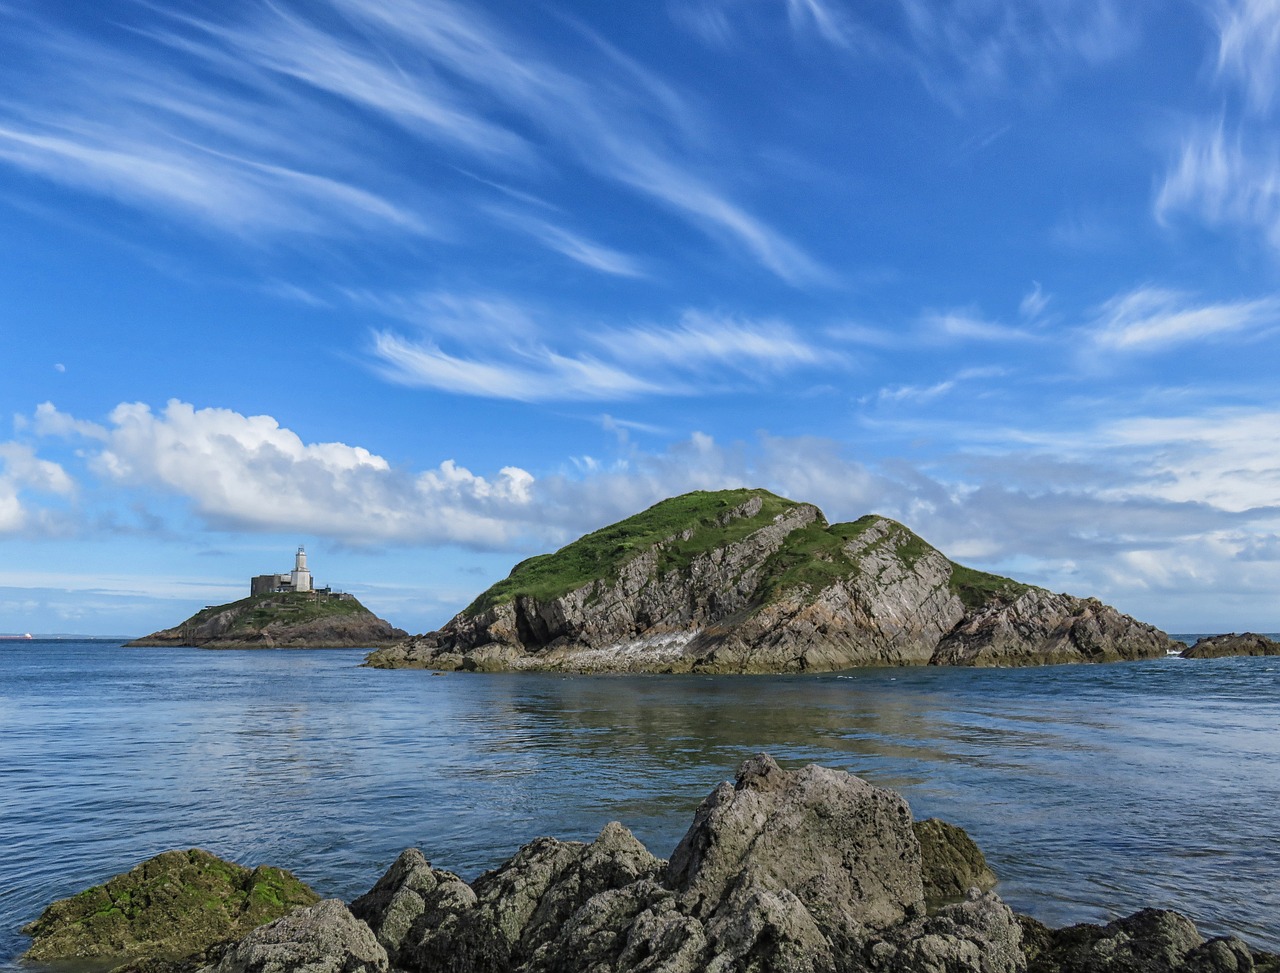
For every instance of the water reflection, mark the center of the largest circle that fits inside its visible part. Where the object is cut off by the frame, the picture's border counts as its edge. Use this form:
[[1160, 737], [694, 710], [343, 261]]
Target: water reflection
[[1094, 790]]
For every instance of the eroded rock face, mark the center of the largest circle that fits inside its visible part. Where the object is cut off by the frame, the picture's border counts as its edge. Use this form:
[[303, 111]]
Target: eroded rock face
[[323, 938], [1222, 646], [793, 595], [1041, 628], [175, 904], [843, 847]]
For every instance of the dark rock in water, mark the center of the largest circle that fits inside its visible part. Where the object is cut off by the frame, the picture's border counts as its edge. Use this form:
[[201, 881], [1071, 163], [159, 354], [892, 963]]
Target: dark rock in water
[[1221, 646], [806, 871], [323, 938], [951, 863], [176, 904], [1149, 941]]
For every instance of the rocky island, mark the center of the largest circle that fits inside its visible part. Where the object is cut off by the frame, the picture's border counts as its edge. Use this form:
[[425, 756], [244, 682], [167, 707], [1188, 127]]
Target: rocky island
[[280, 620], [804, 871], [1231, 644], [745, 581], [283, 611]]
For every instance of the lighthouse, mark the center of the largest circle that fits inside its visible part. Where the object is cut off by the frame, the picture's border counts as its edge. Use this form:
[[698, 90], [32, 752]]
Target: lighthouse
[[301, 577]]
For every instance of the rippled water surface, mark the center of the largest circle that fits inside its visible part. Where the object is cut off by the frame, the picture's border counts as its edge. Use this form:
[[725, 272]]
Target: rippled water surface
[[1093, 790]]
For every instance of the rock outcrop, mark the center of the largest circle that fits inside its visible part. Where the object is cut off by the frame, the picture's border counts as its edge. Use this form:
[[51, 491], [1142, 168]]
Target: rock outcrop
[[1222, 646], [284, 620], [745, 581], [804, 871], [170, 906]]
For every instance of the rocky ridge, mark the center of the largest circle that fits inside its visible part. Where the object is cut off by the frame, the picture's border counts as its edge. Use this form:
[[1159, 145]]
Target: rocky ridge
[[280, 621], [745, 581], [805, 871], [1231, 644]]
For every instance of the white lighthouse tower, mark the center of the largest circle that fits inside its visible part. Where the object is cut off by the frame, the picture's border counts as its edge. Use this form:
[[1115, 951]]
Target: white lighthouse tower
[[300, 577]]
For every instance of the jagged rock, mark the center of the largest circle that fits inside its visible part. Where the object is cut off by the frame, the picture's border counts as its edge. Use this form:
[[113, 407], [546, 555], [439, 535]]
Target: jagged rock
[[1041, 628], [745, 581], [170, 906], [323, 938], [1149, 941], [951, 863], [844, 848], [979, 935], [1221, 646]]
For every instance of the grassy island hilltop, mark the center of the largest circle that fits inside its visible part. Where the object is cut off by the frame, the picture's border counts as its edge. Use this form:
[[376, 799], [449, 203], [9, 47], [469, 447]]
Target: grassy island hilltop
[[290, 619], [748, 581]]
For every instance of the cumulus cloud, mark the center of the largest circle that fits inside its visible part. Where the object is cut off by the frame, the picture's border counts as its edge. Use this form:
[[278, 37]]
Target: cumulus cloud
[[249, 473], [21, 472], [1123, 511]]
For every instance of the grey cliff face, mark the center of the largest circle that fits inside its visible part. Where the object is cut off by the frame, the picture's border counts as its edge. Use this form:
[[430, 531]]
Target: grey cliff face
[[880, 596]]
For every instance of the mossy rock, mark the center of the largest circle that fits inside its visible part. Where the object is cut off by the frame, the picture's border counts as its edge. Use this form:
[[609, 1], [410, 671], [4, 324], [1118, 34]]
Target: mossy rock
[[951, 863], [170, 906]]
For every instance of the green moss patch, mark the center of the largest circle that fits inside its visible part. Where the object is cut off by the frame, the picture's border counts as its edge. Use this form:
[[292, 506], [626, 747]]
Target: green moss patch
[[170, 906]]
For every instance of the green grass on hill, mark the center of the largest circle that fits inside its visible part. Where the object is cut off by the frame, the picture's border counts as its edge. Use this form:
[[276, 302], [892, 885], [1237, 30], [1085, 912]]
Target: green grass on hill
[[977, 588], [813, 557], [291, 608], [600, 555]]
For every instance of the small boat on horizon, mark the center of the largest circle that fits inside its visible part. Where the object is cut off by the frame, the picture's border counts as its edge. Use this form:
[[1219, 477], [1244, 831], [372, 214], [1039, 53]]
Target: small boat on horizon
[[16, 638]]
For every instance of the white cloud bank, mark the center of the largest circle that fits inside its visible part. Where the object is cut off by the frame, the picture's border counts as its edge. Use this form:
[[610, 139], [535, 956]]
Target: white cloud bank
[[1134, 510], [21, 472]]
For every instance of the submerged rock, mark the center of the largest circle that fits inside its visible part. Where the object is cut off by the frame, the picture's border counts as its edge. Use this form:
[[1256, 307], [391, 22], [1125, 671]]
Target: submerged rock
[[176, 904], [1221, 646]]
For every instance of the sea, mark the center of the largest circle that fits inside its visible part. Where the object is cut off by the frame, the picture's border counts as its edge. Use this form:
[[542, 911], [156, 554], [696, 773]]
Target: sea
[[1093, 790]]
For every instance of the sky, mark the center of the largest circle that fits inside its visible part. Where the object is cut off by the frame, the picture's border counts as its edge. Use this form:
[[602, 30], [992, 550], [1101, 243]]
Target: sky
[[430, 287]]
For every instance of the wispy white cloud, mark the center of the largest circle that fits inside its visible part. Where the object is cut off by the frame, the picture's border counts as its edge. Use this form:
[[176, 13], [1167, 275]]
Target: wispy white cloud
[[1151, 318], [274, 121], [504, 356], [966, 325], [703, 339], [1226, 181], [1034, 302], [1249, 48], [572, 245], [526, 374]]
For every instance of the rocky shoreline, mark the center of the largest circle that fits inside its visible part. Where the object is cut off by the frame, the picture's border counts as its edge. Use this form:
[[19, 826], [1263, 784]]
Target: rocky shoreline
[[805, 871]]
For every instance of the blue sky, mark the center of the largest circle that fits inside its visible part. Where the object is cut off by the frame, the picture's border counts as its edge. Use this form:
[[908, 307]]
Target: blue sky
[[431, 286]]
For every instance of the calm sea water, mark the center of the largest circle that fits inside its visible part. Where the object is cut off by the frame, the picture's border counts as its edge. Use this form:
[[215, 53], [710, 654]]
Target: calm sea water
[[1093, 790]]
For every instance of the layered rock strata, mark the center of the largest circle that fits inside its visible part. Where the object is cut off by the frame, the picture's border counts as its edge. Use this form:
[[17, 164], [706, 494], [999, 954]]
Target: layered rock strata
[[744, 581]]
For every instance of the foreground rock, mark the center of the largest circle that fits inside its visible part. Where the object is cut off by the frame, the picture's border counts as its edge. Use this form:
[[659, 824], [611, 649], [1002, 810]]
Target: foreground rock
[[745, 581], [170, 906], [806, 871], [1221, 646], [283, 620]]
